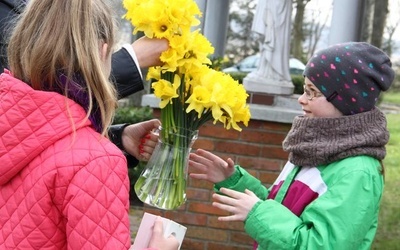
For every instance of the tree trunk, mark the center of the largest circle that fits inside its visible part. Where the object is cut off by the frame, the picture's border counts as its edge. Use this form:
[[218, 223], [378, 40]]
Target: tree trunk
[[367, 20], [380, 13], [297, 31]]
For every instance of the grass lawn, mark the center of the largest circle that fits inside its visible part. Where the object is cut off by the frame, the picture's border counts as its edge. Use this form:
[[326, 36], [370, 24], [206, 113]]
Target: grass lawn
[[391, 97], [388, 234]]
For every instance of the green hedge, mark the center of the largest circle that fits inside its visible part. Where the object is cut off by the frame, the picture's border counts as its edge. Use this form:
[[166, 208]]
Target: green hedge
[[132, 114], [298, 82]]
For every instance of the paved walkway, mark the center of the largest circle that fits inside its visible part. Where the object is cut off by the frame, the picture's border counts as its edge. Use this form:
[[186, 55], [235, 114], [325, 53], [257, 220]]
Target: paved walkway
[[390, 109], [135, 217]]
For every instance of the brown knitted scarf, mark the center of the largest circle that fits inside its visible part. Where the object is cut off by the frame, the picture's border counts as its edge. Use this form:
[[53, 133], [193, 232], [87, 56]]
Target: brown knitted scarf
[[316, 141]]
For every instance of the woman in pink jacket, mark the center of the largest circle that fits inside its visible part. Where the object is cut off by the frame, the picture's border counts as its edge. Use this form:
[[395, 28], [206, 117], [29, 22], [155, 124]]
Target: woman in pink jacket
[[63, 184]]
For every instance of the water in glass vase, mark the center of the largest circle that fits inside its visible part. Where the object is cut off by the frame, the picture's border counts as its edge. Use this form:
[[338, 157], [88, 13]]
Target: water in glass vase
[[162, 183], [164, 196]]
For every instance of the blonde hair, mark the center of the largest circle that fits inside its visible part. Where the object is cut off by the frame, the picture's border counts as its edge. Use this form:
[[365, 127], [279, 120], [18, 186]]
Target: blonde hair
[[53, 36]]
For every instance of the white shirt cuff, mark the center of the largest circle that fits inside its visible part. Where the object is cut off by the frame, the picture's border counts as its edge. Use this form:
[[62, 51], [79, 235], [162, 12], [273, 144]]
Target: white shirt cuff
[[131, 52]]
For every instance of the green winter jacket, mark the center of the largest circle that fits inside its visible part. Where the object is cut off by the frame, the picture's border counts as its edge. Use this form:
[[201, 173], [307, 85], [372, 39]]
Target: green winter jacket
[[337, 205]]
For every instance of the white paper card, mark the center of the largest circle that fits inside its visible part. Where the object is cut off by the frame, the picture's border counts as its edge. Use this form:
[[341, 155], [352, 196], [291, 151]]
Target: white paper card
[[146, 228]]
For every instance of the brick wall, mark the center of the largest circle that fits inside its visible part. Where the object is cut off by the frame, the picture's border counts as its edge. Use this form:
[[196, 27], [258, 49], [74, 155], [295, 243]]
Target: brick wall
[[258, 148]]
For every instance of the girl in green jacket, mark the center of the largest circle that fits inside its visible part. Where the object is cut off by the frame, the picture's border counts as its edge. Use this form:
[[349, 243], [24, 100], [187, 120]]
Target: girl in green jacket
[[328, 194]]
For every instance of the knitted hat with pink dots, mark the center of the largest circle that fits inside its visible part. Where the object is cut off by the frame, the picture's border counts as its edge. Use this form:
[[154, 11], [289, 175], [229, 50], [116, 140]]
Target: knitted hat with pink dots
[[351, 75]]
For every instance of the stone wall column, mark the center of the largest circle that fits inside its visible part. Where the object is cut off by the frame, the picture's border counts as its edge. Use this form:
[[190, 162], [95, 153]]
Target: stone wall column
[[214, 23], [346, 21]]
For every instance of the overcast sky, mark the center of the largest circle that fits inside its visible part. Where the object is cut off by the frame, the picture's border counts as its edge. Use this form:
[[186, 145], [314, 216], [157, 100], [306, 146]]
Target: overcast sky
[[325, 6]]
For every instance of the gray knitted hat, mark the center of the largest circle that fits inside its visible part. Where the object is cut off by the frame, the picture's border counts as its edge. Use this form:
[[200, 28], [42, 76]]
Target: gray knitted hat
[[351, 75]]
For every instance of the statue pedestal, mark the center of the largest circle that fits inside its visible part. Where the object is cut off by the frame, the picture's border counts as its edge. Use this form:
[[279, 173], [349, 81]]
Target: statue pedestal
[[271, 100], [255, 83]]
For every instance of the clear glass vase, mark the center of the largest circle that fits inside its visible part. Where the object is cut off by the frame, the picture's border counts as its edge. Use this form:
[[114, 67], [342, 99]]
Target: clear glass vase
[[162, 183]]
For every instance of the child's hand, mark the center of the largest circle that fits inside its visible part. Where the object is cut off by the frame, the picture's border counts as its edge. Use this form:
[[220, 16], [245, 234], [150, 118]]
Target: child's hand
[[237, 203], [210, 167], [158, 241]]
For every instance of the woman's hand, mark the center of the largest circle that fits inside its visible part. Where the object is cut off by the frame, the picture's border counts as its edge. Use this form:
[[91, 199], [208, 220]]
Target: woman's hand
[[238, 204], [138, 139], [210, 167]]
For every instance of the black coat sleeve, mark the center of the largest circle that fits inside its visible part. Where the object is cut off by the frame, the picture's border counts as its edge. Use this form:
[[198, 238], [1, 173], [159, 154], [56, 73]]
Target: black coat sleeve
[[127, 79], [125, 74], [9, 10], [115, 135]]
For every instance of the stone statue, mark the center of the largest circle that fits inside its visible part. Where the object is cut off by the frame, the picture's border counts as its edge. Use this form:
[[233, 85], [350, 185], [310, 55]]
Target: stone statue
[[272, 24]]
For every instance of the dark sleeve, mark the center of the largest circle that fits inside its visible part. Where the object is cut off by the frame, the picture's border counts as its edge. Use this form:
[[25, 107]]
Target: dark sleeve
[[7, 14], [9, 10], [115, 135], [125, 74]]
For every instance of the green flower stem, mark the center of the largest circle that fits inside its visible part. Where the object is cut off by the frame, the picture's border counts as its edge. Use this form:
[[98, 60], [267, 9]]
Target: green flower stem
[[179, 166], [163, 175], [172, 193], [139, 183]]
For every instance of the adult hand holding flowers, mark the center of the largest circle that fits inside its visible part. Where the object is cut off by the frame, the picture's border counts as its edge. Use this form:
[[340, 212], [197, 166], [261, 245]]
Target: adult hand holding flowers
[[148, 51]]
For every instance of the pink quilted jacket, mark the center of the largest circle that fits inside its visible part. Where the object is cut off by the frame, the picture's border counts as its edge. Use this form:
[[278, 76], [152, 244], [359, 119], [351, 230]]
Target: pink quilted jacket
[[59, 189]]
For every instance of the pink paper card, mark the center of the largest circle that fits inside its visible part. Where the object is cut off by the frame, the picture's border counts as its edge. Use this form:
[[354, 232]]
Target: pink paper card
[[146, 228]]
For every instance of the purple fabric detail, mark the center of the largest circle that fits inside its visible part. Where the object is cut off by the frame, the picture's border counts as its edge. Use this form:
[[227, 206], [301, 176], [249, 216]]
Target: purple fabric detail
[[77, 92], [298, 197], [274, 190]]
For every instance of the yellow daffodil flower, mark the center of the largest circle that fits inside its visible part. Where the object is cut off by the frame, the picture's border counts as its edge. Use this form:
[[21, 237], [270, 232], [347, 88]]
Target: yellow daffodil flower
[[166, 91]]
